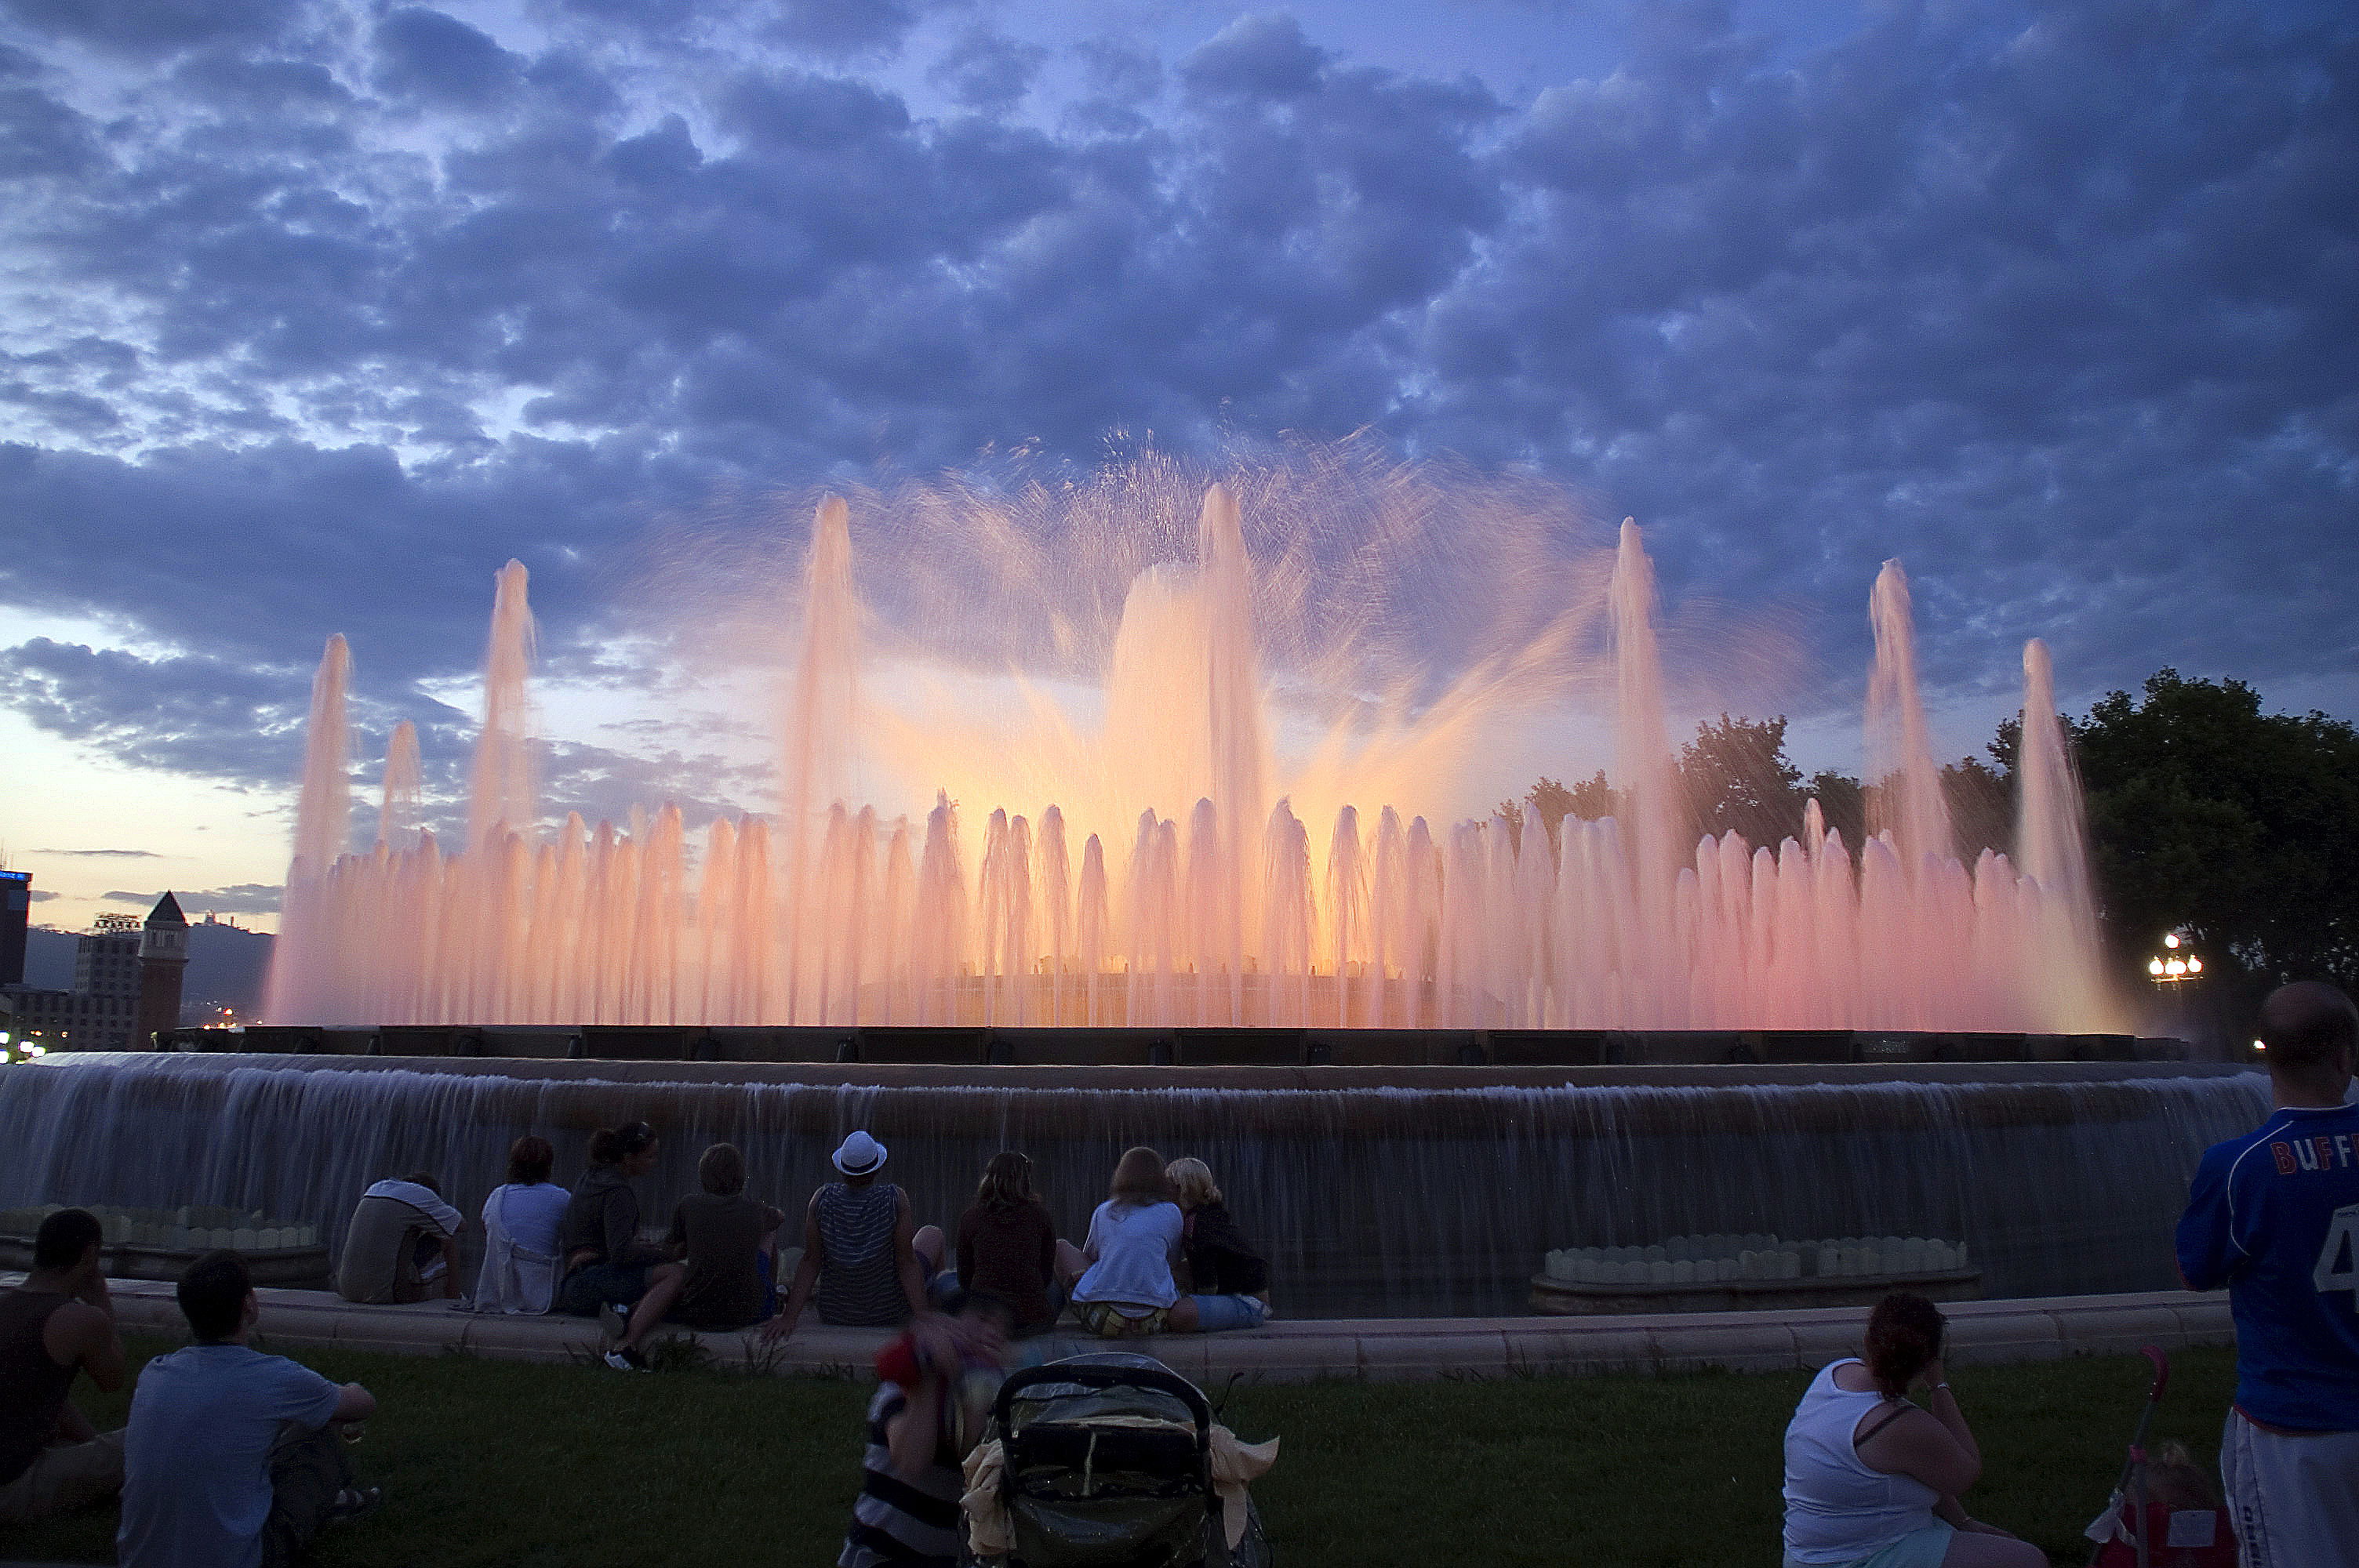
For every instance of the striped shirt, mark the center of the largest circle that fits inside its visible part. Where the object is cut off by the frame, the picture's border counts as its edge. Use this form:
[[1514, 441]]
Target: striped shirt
[[901, 1521], [859, 1277]]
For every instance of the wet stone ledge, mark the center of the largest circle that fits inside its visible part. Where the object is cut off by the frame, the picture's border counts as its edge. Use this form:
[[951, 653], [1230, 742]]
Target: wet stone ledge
[[2042, 1329]]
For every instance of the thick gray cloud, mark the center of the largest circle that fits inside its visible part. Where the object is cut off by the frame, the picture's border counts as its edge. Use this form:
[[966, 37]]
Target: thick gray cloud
[[238, 898], [2059, 304]]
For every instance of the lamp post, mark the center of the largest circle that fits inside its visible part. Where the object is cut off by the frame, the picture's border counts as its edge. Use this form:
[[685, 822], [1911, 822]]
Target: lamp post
[[2173, 968]]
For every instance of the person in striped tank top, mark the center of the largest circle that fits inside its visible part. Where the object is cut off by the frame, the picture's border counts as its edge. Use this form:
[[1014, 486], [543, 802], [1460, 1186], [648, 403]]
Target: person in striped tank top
[[907, 1515], [864, 1264]]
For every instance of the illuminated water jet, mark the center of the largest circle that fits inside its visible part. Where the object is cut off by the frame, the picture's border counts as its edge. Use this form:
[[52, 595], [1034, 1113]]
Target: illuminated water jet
[[1210, 905]]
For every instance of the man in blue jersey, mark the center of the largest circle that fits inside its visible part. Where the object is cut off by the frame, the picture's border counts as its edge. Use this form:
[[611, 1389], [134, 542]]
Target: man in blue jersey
[[2274, 1215]]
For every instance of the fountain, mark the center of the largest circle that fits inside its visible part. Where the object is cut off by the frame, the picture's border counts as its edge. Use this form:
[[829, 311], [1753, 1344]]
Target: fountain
[[1422, 1054], [1202, 897]]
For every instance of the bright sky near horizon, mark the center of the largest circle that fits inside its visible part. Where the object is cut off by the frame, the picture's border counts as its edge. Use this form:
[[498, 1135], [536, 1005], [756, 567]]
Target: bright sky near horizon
[[313, 312]]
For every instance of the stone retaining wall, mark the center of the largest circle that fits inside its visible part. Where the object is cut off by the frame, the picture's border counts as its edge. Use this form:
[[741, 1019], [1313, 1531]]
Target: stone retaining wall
[[1375, 1350]]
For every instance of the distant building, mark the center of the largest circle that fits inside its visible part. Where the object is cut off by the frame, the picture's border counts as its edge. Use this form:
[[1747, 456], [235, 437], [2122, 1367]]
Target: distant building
[[15, 907], [163, 957], [126, 979]]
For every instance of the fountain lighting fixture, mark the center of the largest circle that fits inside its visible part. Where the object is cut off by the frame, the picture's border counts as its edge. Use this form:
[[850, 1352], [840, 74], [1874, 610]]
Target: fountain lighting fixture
[[2177, 962], [1184, 857]]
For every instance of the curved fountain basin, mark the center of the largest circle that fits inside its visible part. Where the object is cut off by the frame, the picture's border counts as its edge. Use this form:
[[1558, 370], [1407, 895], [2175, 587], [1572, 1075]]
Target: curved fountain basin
[[1411, 1190]]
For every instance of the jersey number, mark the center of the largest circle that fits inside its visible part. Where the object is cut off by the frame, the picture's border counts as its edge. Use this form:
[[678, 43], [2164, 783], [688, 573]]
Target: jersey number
[[2337, 1260]]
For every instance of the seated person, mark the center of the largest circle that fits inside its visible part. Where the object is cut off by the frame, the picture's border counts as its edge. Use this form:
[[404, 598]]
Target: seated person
[[232, 1456], [1227, 1279], [606, 1264], [919, 1429], [1122, 1281], [520, 1222], [865, 1263], [57, 1323], [402, 1244], [725, 1240], [1007, 1244], [1873, 1481]]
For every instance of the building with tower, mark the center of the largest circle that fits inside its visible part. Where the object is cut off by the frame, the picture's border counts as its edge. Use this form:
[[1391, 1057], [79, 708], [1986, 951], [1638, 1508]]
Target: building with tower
[[163, 957], [126, 977]]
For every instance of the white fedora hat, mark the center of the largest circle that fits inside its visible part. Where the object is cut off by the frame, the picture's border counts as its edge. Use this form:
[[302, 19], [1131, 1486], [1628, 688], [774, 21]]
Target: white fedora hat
[[858, 1155]]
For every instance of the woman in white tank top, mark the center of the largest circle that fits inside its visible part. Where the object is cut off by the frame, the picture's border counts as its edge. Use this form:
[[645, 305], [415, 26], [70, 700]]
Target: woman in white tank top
[[1873, 1481]]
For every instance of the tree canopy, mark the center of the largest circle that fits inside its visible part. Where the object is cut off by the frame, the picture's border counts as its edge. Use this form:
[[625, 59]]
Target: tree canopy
[[2208, 813], [2204, 812]]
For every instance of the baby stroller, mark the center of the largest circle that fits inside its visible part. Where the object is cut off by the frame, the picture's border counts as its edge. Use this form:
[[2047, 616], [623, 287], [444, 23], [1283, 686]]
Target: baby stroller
[[2143, 1526], [1108, 1465]]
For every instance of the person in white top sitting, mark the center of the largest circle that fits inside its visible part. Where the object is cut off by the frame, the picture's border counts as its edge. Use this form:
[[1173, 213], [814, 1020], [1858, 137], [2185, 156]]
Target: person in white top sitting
[[1873, 1481], [402, 1244], [520, 1221], [1120, 1278]]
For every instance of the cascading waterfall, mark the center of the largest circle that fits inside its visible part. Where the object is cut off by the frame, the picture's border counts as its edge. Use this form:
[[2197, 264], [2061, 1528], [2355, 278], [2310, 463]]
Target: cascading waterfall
[[1232, 910], [1368, 1200]]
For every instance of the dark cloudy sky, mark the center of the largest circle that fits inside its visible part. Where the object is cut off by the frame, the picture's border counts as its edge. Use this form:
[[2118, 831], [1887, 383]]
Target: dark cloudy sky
[[317, 310]]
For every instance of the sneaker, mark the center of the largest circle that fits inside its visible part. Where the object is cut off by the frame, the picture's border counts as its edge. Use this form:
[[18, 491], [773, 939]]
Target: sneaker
[[355, 1501], [614, 1319], [623, 1360]]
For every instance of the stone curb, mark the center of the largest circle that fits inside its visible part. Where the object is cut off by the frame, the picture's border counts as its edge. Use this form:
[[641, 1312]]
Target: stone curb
[[1372, 1349]]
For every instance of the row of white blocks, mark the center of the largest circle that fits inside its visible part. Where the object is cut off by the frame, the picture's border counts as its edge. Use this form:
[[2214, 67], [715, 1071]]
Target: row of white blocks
[[186, 1237], [171, 1230], [1708, 1261]]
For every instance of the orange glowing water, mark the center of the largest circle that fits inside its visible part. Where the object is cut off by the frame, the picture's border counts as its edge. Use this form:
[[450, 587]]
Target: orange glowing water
[[1169, 866]]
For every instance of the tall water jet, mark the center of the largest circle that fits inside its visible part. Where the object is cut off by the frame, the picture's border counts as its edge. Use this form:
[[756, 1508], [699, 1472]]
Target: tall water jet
[[822, 720], [1239, 739], [1642, 747], [397, 816], [1900, 745], [2051, 846], [303, 959], [502, 796]]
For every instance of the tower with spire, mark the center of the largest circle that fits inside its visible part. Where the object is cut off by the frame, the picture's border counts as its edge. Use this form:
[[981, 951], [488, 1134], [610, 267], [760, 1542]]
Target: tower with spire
[[163, 958]]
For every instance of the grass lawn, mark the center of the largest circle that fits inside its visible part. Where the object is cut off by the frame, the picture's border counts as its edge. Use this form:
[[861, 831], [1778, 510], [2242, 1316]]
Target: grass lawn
[[507, 1463]]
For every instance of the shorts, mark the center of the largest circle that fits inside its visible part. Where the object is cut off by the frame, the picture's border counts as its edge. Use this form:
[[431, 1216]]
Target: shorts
[[1102, 1319], [594, 1285], [1921, 1548], [1216, 1314], [62, 1479], [2294, 1500]]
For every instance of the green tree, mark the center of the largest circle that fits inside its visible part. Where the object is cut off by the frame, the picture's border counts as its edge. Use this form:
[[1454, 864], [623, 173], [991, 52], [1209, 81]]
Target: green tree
[[1842, 805], [1736, 778], [2208, 813], [1553, 802], [1982, 807]]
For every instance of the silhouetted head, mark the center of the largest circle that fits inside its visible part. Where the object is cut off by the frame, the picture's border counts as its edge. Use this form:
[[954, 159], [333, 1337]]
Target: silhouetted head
[[424, 1179], [530, 1160], [66, 1239], [721, 1171], [1007, 1180], [2310, 1032], [631, 1147], [1904, 1333], [1139, 1178], [213, 1293]]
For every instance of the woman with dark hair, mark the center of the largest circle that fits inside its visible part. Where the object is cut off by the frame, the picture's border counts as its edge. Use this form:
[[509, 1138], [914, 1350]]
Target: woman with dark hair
[[520, 1225], [1007, 1243], [1121, 1277], [1873, 1481], [606, 1264]]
